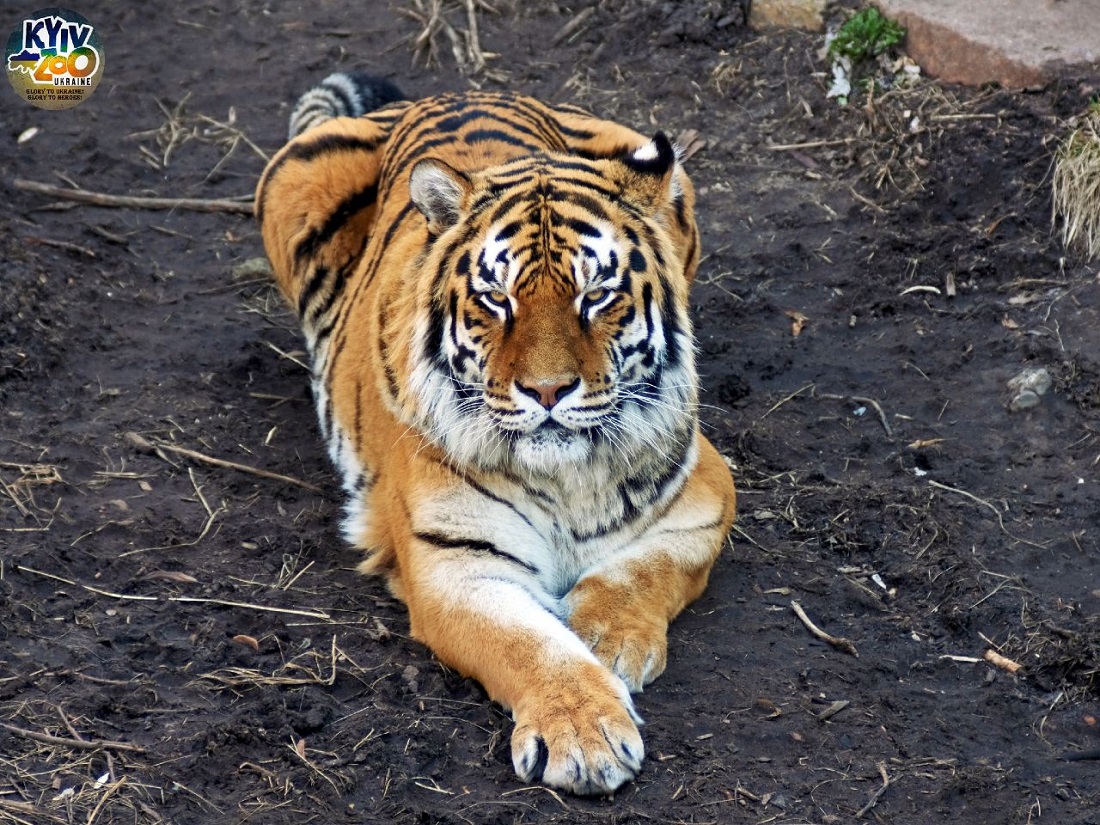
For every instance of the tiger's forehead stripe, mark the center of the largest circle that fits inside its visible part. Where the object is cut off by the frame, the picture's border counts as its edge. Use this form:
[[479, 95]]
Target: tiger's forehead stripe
[[528, 129]]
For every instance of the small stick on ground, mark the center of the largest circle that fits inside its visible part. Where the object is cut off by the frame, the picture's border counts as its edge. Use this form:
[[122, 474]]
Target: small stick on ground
[[133, 202], [550, 791], [66, 245], [813, 144], [886, 782], [573, 26], [97, 590], [833, 709], [79, 744], [983, 502], [143, 444], [473, 39], [870, 402], [779, 404], [865, 201], [836, 641], [68, 725], [11, 494], [1003, 662], [16, 808], [290, 611]]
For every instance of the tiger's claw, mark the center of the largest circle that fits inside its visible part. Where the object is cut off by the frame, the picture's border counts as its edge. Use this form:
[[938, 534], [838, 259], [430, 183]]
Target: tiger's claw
[[580, 736]]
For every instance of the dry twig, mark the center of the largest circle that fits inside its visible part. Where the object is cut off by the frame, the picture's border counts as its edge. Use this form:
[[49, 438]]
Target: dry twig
[[290, 611], [134, 202], [886, 782], [838, 642], [143, 444], [983, 502], [833, 709], [783, 401], [79, 744], [310, 614], [465, 43], [870, 402], [1003, 662]]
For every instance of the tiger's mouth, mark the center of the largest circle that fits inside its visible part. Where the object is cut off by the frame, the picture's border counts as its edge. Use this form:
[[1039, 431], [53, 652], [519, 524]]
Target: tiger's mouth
[[550, 446], [552, 430]]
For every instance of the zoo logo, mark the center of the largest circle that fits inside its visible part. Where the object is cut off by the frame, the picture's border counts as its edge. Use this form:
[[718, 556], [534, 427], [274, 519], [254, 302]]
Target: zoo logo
[[54, 59]]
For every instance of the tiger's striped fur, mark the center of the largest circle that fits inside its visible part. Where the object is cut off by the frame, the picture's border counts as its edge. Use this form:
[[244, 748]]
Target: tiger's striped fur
[[494, 293]]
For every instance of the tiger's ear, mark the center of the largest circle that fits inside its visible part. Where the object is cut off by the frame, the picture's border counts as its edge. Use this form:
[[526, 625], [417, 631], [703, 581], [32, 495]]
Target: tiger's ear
[[438, 190], [654, 158], [654, 181]]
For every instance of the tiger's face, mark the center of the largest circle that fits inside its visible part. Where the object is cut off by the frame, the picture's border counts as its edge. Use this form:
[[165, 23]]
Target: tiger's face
[[556, 328]]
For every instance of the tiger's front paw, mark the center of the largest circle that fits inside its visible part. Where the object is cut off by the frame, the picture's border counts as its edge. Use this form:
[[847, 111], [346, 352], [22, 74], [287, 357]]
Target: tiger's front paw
[[633, 645], [579, 732]]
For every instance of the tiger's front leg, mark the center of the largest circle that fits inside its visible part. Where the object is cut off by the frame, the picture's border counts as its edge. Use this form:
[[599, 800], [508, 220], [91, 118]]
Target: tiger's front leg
[[621, 608], [486, 616]]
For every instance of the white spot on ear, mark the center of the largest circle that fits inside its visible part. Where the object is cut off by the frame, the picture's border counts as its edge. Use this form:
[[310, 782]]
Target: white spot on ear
[[646, 152]]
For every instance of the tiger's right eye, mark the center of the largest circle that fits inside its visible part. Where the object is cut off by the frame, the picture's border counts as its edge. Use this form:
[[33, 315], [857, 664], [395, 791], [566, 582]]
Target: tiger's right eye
[[495, 301]]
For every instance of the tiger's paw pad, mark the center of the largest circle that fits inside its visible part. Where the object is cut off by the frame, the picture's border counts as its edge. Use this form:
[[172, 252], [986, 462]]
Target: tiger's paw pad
[[585, 744]]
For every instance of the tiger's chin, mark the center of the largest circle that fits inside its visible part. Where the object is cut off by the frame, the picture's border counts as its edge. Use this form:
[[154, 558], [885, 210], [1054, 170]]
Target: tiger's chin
[[550, 449]]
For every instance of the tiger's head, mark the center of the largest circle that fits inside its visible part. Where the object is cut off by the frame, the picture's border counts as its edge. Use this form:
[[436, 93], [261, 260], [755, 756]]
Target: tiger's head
[[552, 326]]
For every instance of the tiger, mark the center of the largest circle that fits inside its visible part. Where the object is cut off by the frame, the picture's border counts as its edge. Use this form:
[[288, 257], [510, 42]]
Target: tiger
[[493, 293]]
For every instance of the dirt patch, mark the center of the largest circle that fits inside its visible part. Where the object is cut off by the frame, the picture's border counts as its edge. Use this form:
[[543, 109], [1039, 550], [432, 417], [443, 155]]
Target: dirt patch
[[188, 643]]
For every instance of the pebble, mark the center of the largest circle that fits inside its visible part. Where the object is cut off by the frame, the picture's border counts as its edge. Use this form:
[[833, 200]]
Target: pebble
[[1024, 400], [1028, 387], [252, 268]]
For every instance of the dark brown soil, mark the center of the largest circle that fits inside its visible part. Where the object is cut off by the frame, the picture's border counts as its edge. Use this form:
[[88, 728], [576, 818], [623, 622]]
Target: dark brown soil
[[211, 619]]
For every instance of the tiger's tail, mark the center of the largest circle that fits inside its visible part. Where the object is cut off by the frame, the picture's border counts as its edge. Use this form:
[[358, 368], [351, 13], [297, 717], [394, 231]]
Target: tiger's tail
[[342, 94]]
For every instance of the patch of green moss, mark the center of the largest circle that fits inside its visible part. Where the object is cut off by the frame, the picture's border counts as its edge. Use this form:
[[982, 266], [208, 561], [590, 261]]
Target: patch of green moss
[[867, 34]]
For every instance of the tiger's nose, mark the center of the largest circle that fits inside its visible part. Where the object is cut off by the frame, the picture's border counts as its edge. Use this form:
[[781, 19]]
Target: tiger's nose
[[549, 392]]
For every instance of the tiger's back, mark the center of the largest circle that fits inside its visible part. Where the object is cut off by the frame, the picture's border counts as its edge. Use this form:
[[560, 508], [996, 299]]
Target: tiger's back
[[493, 291]]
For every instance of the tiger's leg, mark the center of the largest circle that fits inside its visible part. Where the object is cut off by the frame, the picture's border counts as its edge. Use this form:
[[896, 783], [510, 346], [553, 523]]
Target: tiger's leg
[[476, 601], [621, 608]]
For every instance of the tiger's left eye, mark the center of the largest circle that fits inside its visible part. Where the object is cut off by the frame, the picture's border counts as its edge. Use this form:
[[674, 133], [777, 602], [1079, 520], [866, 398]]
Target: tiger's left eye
[[594, 296], [596, 299]]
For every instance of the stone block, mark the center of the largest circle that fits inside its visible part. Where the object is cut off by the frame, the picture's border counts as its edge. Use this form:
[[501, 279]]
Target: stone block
[[788, 14], [1019, 44]]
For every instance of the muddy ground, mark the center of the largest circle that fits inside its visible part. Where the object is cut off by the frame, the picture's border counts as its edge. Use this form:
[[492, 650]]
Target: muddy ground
[[206, 622]]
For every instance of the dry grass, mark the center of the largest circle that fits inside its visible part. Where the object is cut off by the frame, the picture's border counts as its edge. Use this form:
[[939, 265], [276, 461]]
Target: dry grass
[[437, 31], [307, 668], [17, 495], [898, 127], [1076, 184], [180, 127], [58, 769]]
